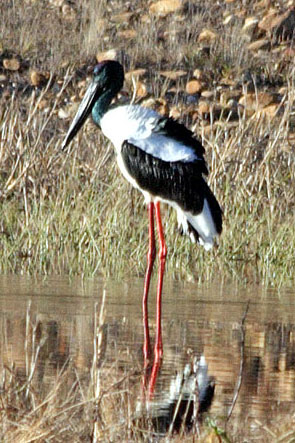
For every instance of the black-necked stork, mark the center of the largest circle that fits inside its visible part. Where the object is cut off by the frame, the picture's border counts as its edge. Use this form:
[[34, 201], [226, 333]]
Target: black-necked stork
[[162, 159]]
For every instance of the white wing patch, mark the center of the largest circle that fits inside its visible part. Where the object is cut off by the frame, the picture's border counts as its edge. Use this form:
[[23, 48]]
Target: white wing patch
[[135, 124]]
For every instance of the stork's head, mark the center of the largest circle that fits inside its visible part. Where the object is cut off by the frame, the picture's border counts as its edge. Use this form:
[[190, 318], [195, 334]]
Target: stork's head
[[107, 76]]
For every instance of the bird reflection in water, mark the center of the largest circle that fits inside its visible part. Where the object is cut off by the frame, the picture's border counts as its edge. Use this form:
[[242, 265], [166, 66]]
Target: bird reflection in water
[[180, 408]]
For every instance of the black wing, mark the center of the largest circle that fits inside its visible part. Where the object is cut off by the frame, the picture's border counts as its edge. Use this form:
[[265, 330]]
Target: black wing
[[180, 182]]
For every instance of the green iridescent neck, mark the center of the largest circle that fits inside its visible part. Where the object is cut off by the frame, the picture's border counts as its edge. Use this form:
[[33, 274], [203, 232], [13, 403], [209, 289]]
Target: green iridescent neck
[[101, 105]]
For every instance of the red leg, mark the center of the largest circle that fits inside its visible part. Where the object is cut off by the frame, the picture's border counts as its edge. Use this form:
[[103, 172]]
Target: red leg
[[158, 351], [150, 263]]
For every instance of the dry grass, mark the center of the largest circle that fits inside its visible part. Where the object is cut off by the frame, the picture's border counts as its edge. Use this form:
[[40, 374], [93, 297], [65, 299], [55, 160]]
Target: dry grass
[[42, 403], [98, 400], [74, 214]]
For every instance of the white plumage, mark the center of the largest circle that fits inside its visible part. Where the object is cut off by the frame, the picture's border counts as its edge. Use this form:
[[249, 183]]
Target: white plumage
[[137, 124]]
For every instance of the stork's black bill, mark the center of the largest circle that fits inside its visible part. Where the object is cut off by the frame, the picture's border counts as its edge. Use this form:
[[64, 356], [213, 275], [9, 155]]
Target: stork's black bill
[[91, 95]]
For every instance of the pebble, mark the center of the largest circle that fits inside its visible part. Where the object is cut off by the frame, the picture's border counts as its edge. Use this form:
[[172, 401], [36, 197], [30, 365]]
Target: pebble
[[165, 7], [11, 64]]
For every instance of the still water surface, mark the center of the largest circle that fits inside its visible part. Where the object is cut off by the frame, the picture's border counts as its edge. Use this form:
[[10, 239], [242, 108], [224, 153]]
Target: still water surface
[[197, 320]]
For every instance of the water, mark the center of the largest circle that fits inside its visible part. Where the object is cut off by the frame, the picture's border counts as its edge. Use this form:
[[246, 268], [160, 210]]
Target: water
[[196, 321]]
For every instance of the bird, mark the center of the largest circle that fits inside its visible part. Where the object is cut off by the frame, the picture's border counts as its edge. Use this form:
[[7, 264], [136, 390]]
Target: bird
[[161, 158]]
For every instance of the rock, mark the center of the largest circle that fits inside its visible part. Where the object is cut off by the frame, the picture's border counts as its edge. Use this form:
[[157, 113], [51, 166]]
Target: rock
[[281, 26], [63, 114], [207, 36], [162, 107], [57, 3], [123, 18], [228, 95], [259, 44], [141, 90], [203, 107], [284, 26], [127, 33], [254, 102], [136, 73], [289, 53], [11, 64], [198, 74], [173, 75], [207, 94], [175, 112], [164, 7], [37, 78], [241, 13], [266, 23], [193, 87], [227, 81], [271, 110], [68, 12], [111, 54], [250, 24], [228, 19], [42, 104]]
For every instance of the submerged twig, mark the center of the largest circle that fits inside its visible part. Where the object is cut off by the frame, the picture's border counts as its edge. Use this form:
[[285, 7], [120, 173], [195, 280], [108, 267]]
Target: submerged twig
[[242, 360], [99, 350]]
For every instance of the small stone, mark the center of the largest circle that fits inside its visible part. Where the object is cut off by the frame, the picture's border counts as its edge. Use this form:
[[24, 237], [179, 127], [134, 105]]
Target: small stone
[[74, 98], [198, 74], [56, 3], [227, 81], [207, 94], [267, 21], [259, 44], [228, 95], [3, 77], [125, 17], [136, 73], [283, 90], [111, 54], [175, 112], [145, 18], [42, 104], [173, 75], [68, 12], [253, 102], [149, 103], [284, 26], [165, 7], [162, 107], [289, 52], [141, 90], [207, 36], [250, 24], [203, 107], [193, 87], [37, 78], [229, 19], [11, 64], [63, 114], [241, 13], [271, 110], [127, 34]]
